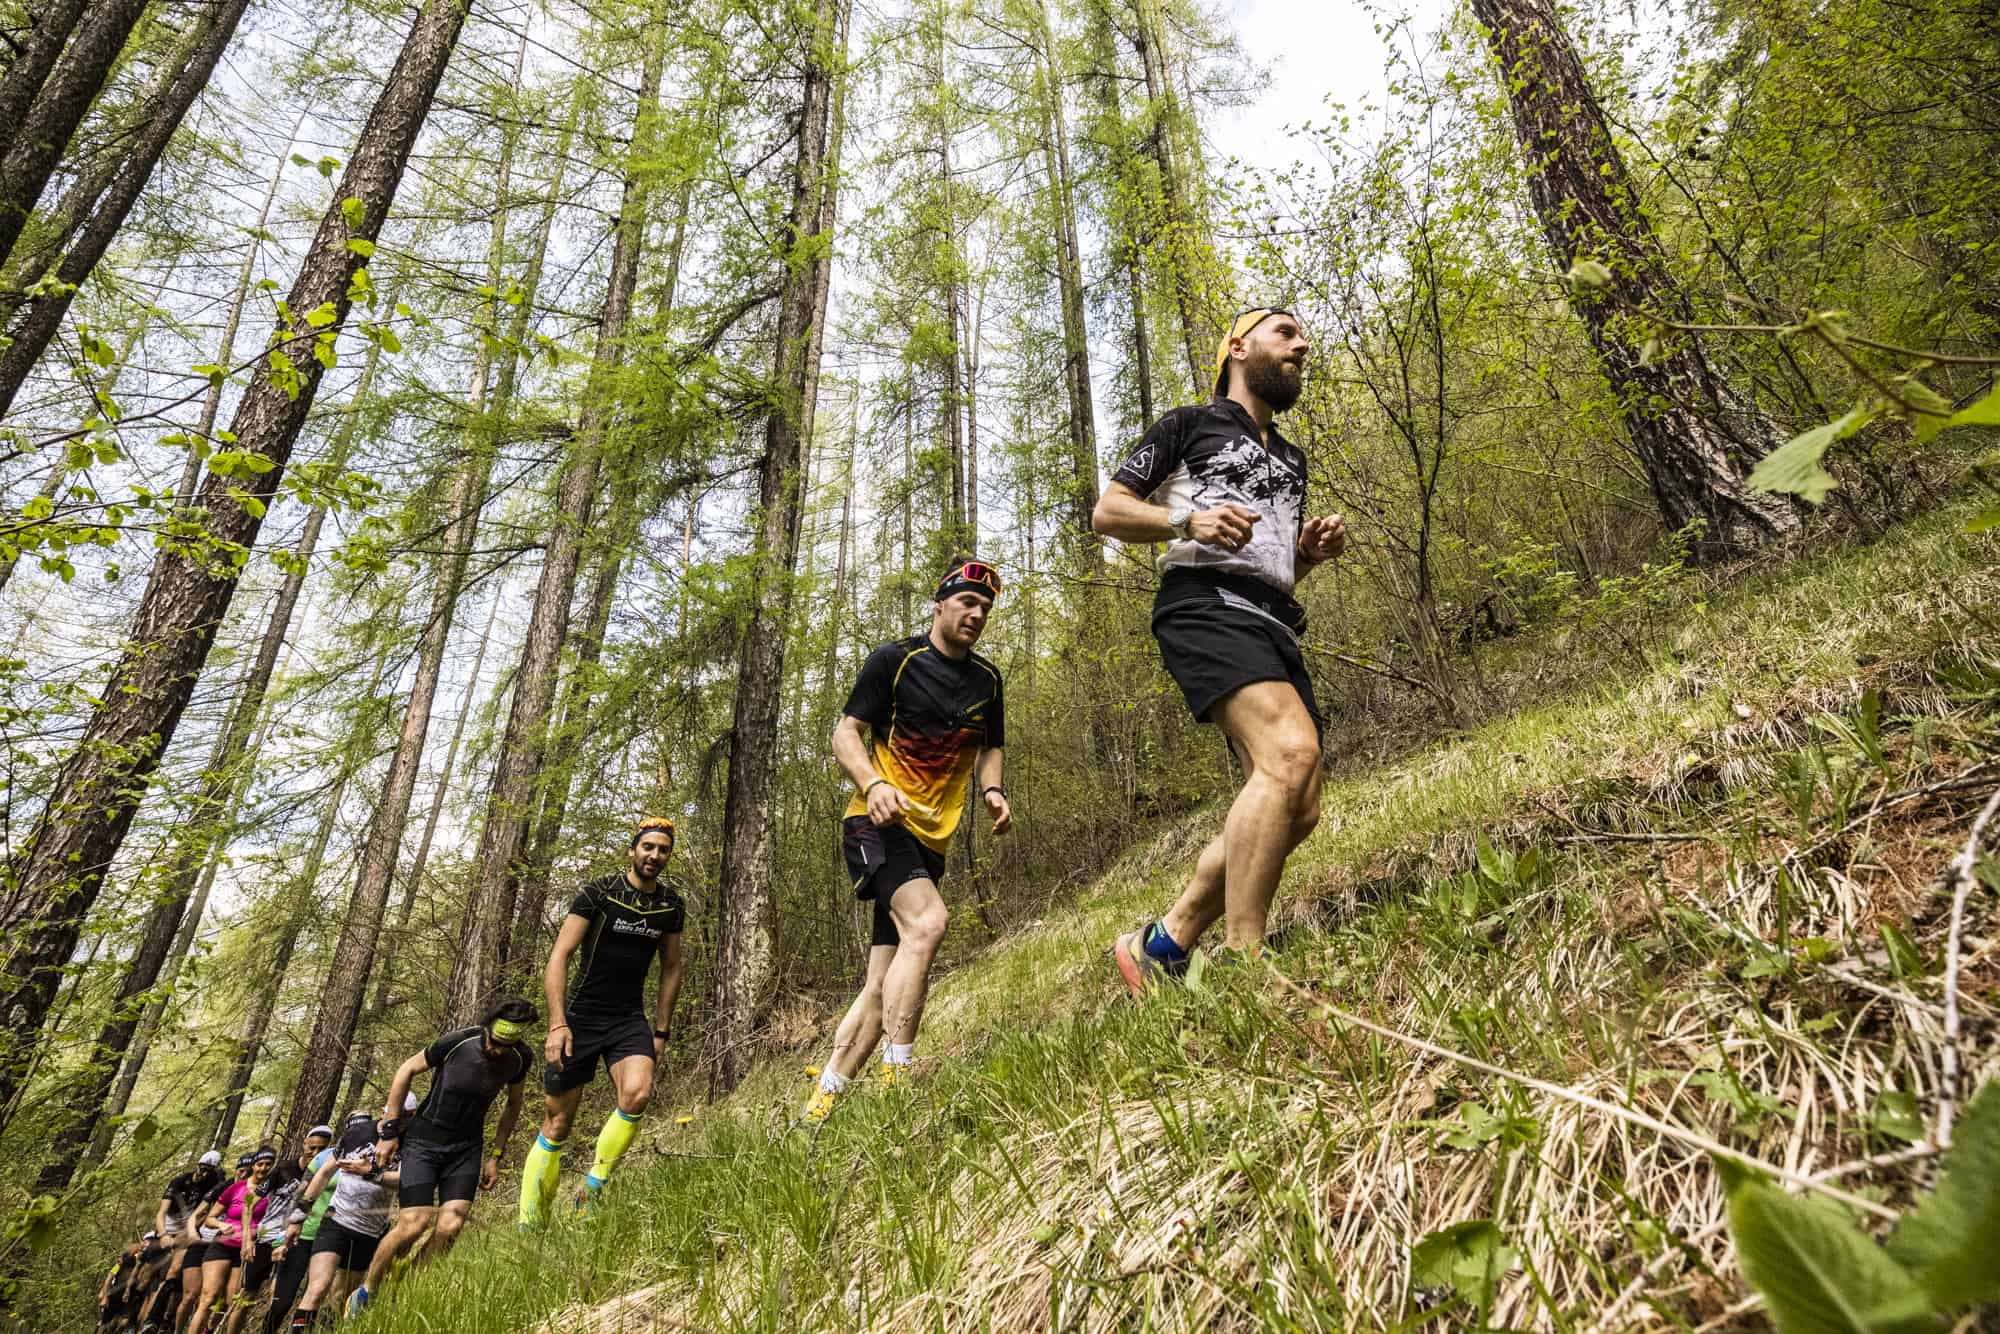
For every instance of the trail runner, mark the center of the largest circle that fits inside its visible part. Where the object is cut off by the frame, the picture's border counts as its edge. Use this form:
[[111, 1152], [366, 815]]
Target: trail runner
[[615, 928], [361, 1194], [441, 1152], [235, 1211], [1223, 488], [180, 1203], [296, 1227], [925, 717]]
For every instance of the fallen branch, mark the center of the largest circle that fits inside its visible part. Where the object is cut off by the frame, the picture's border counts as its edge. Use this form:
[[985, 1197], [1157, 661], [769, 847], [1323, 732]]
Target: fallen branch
[[1961, 877]]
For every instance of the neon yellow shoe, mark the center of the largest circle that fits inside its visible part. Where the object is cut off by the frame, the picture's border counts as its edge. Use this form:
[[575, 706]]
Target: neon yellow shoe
[[894, 1076], [820, 1108]]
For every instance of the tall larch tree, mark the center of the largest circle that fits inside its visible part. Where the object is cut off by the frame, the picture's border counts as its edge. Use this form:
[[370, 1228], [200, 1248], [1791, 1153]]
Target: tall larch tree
[[59, 869]]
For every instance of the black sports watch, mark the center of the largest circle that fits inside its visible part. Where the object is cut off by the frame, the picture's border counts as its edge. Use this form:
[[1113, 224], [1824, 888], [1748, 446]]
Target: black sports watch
[[662, 1034]]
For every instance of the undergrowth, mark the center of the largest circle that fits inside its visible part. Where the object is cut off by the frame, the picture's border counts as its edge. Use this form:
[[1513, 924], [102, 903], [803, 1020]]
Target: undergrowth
[[1703, 890]]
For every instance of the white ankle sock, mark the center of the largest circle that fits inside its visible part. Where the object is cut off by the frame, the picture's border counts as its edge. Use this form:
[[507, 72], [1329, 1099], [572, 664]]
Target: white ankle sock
[[832, 1081], [898, 1053]]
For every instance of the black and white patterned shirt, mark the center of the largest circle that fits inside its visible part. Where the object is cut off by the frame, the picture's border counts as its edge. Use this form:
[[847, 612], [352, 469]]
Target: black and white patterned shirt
[[1209, 454]]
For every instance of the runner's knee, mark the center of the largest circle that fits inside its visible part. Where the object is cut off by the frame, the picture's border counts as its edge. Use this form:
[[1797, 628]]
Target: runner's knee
[[635, 1099], [555, 1125], [448, 1224], [1293, 763], [926, 930]]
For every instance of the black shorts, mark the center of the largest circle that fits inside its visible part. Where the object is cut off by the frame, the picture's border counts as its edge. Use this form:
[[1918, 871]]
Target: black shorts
[[355, 1249], [1213, 647], [591, 1039], [218, 1251], [881, 859], [258, 1268], [189, 1257], [438, 1173]]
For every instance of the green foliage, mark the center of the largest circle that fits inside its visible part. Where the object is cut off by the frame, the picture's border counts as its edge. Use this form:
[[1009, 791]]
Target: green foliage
[[1469, 1258], [1820, 1274]]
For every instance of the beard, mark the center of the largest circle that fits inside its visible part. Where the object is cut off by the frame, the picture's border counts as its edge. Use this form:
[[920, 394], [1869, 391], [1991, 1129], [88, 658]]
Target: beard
[[1273, 379]]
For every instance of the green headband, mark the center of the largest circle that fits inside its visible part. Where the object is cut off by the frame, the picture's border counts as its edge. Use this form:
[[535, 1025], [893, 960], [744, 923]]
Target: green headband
[[509, 1031]]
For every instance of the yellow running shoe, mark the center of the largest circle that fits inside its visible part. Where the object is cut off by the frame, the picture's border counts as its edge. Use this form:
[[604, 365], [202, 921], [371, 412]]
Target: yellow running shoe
[[820, 1107]]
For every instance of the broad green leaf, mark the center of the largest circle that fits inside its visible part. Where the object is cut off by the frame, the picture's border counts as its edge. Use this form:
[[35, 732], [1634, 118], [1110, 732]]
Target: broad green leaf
[[1494, 863], [1951, 1239], [362, 246], [1793, 467], [1817, 1271], [1981, 522], [1930, 411], [354, 210], [1905, 960], [322, 315], [1468, 1258], [1986, 412]]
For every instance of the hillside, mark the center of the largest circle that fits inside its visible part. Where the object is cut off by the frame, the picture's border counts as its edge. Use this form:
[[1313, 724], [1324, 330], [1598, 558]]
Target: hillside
[[1702, 889]]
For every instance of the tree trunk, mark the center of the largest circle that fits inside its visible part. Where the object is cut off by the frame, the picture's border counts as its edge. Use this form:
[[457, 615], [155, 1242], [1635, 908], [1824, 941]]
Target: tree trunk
[[744, 953], [298, 911], [60, 224], [490, 907], [57, 874], [50, 121], [362, 1072], [1696, 437], [354, 952], [1069, 279], [1175, 239], [43, 315], [225, 353], [22, 84], [198, 851]]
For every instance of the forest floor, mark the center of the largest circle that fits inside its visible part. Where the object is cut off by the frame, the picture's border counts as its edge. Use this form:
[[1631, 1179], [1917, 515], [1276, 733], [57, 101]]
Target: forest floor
[[1702, 887]]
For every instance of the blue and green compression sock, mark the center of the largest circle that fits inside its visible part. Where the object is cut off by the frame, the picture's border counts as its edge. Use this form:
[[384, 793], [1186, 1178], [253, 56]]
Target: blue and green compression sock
[[612, 1141], [538, 1178], [1164, 947]]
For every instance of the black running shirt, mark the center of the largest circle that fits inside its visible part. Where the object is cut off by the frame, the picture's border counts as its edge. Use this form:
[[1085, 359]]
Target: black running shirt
[[464, 1082], [929, 716], [186, 1193], [1207, 455], [607, 976]]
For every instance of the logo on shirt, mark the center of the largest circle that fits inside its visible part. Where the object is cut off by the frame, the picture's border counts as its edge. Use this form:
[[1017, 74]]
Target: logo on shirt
[[625, 927]]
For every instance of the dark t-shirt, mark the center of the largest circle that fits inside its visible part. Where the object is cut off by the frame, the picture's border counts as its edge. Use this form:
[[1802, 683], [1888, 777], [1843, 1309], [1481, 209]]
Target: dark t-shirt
[[185, 1193], [464, 1082], [607, 978], [1209, 454], [930, 716]]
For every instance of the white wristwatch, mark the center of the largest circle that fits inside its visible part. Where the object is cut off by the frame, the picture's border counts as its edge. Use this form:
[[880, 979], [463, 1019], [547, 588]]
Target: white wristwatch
[[1179, 517]]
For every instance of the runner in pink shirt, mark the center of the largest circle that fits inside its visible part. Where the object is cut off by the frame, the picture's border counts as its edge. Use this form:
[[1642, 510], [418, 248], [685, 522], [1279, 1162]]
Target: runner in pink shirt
[[235, 1211]]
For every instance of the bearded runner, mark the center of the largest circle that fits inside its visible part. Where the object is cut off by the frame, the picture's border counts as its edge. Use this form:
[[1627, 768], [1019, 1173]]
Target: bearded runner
[[1223, 488], [615, 928]]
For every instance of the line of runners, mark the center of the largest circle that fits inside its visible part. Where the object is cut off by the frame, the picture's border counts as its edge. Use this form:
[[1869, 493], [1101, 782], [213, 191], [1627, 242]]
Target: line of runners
[[1217, 483]]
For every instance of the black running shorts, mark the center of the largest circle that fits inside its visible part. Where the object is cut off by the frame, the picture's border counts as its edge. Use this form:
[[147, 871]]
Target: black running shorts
[[881, 859], [259, 1267], [220, 1252], [189, 1257], [437, 1173], [593, 1039], [1214, 647], [356, 1250]]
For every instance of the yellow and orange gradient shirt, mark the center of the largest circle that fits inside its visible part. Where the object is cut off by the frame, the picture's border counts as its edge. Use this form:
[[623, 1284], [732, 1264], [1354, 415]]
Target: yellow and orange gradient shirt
[[929, 717]]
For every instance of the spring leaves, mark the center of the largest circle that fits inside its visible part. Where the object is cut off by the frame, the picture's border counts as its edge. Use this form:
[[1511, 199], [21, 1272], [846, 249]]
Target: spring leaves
[[1820, 1274]]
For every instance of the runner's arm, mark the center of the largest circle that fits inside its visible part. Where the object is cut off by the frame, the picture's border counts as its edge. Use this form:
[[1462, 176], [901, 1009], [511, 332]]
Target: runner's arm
[[670, 983], [886, 802], [555, 975], [1124, 514], [160, 1220], [510, 1114], [399, 1093], [319, 1179], [1320, 540], [986, 773]]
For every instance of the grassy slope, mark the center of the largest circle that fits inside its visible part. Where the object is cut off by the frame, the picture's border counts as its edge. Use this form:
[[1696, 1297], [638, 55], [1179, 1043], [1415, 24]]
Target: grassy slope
[[1231, 1157]]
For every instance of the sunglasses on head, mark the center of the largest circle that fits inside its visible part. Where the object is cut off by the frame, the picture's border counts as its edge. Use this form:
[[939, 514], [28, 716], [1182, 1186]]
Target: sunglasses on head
[[977, 572]]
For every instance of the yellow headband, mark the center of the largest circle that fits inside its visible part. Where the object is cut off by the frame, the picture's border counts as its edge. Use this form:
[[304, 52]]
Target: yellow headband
[[509, 1031], [1239, 328], [654, 824]]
